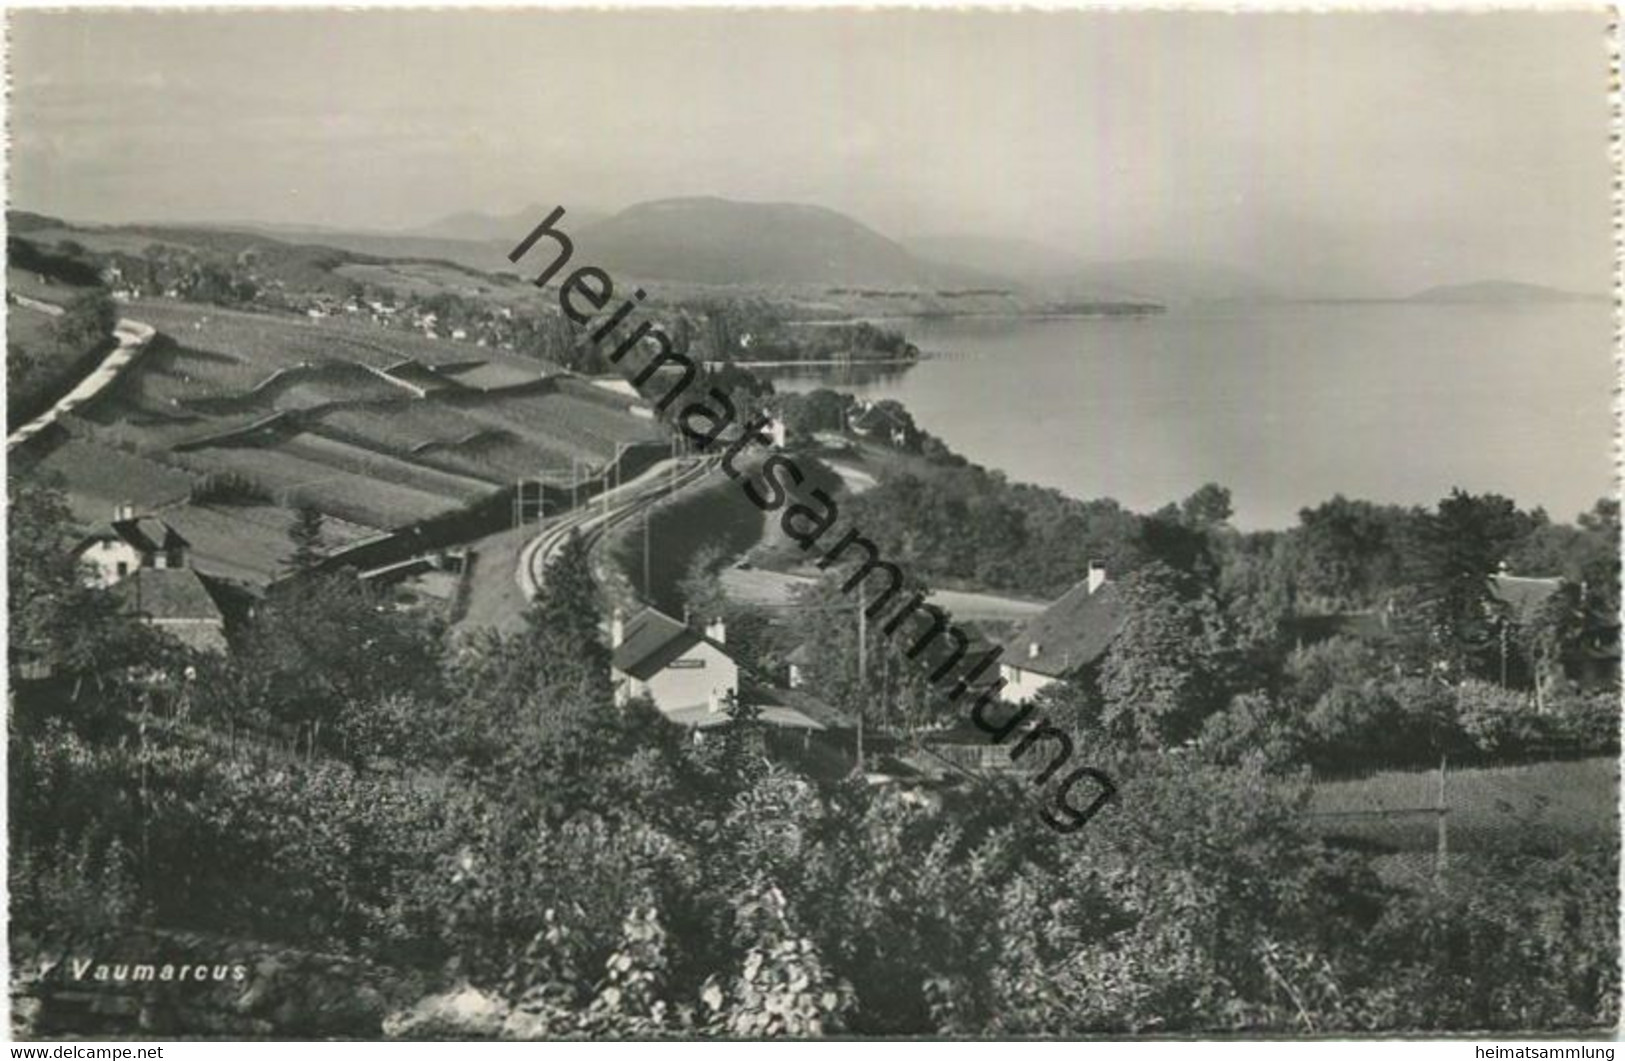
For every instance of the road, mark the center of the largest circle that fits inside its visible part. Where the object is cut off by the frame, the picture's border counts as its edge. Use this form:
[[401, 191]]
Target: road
[[132, 337], [608, 510]]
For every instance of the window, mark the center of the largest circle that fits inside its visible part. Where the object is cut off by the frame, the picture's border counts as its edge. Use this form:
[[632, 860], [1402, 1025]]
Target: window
[[123, 569]]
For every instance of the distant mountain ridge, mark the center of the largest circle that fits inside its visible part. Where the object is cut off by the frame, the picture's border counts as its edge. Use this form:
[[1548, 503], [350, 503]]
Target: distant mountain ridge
[[720, 241], [507, 229], [1482, 291]]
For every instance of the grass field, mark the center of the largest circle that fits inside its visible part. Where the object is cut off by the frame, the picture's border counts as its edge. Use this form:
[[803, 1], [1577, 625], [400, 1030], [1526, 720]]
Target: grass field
[[293, 479], [31, 329], [1544, 806], [96, 478], [375, 465], [429, 278], [30, 284], [249, 542]]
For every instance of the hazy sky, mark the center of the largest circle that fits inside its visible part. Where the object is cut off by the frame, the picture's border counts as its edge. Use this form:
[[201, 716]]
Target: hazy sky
[[1361, 153]]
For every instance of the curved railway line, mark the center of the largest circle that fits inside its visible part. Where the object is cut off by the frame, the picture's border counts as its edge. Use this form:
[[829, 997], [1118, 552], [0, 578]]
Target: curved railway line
[[593, 520]]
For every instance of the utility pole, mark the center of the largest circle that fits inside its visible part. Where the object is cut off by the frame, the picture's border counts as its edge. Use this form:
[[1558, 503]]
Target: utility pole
[[863, 669], [1443, 852]]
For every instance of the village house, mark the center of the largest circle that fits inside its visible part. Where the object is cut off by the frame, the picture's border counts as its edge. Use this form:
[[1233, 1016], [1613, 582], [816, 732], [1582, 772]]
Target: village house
[[178, 602], [128, 543], [692, 679], [147, 563], [1592, 662], [1067, 637], [872, 420]]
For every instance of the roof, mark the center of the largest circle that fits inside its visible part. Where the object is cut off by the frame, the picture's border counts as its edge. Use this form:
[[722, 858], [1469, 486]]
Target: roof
[[1524, 595], [149, 534], [793, 708], [1071, 633], [801, 656], [700, 716], [782, 708], [168, 595], [652, 639], [877, 416]]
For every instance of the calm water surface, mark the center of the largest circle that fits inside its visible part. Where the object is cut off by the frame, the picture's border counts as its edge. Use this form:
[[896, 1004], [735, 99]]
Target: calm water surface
[[1284, 405]]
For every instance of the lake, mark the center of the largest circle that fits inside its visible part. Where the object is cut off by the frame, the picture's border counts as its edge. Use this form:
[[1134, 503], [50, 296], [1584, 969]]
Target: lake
[[1285, 405]]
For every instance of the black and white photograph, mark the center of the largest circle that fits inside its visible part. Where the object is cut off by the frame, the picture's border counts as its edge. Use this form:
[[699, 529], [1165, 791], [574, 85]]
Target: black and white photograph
[[709, 523]]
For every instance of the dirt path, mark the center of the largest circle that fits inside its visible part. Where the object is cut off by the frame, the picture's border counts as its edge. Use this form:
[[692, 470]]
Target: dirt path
[[132, 336]]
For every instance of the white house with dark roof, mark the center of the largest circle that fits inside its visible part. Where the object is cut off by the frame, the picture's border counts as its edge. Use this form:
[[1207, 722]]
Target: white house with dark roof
[[674, 665], [693, 680], [1068, 636], [129, 543], [147, 564]]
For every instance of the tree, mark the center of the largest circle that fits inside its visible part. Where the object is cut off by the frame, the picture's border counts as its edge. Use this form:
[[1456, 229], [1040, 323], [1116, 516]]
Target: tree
[[563, 623], [1460, 546], [323, 650], [1208, 508], [1164, 672], [817, 410], [895, 691], [86, 322], [305, 532], [1350, 552]]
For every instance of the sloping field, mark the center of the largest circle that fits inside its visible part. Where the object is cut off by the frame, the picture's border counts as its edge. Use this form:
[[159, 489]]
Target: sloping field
[[432, 278], [275, 340], [499, 455], [495, 374], [97, 478], [1552, 805], [439, 436], [319, 385], [249, 542], [259, 339], [30, 284], [192, 372], [567, 421], [397, 426], [376, 465], [299, 410], [295, 480], [119, 419]]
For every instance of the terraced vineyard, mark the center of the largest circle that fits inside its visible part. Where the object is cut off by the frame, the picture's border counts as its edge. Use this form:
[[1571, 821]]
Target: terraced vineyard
[[378, 429]]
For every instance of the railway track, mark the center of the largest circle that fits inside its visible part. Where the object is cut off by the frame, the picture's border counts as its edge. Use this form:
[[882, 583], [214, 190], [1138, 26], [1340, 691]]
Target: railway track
[[592, 521]]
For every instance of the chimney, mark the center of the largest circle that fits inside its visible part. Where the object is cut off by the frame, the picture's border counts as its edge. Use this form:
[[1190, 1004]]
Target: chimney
[[1097, 575], [617, 628], [717, 630], [1032, 650], [124, 510]]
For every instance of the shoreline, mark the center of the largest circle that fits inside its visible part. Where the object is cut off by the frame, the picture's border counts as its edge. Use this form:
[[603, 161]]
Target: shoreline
[[829, 363], [983, 314]]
